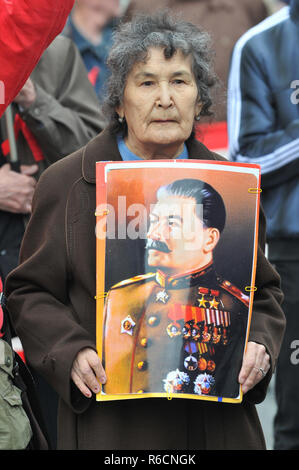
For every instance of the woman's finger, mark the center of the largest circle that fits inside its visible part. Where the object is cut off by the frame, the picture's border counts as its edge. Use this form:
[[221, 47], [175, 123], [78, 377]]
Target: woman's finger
[[256, 364], [80, 384], [88, 371], [254, 377]]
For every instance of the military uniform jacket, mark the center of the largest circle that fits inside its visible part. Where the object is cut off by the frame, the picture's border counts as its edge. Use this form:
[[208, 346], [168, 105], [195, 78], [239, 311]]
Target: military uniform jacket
[[180, 334], [51, 299]]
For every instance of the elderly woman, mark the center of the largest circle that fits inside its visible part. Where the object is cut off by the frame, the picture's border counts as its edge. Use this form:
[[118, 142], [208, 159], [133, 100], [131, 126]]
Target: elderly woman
[[160, 85]]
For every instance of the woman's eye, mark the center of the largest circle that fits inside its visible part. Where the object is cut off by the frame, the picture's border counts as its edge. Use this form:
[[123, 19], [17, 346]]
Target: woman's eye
[[178, 81], [147, 83]]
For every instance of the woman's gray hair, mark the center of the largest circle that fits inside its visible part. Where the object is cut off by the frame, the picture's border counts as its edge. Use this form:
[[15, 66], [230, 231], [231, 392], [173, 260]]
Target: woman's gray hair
[[131, 44]]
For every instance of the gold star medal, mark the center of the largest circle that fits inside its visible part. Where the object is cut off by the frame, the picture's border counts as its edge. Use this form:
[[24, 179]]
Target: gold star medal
[[213, 303], [202, 301]]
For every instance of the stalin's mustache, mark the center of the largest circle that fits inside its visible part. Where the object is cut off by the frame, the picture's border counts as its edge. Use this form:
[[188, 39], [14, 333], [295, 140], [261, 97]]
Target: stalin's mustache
[[157, 245]]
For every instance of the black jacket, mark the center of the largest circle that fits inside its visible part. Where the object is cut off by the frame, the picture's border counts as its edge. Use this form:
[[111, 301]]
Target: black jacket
[[264, 116]]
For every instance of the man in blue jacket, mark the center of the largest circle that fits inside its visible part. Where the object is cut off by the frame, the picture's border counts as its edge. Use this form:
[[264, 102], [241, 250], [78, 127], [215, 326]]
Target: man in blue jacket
[[263, 116], [90, 26]]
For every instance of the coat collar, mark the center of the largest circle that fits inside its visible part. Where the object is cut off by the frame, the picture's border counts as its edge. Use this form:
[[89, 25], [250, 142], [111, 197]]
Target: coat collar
[[104, 148]]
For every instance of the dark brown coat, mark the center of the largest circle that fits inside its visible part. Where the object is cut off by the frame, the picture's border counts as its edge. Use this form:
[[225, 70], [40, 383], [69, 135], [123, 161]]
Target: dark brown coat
[[51, 297]]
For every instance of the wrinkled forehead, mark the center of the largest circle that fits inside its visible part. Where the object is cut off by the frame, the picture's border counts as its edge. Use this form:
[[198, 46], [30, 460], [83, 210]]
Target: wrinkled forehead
[[155, 57]]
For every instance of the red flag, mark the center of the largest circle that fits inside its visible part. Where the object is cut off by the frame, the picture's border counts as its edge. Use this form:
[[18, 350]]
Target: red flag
[[20, 125], [27, 27]]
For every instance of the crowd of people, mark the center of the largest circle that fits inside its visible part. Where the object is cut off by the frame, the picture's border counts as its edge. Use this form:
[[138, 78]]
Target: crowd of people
[[77, 102]]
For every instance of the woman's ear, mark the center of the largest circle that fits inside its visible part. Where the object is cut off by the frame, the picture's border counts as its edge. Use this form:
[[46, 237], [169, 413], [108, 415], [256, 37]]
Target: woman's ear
[[198, 108], [120, 111]]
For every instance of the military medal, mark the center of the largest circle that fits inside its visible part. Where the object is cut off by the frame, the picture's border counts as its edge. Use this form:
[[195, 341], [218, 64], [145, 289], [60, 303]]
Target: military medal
[[176, 381], [224, 337], [173, 329], [127, 325], [202, 301], [206, 336], [195, 332], [213, 303], [203, 384], [190, 363], [201, 326], [191, 347], [162, 296], [216, 335], [175, 314], [202, 363], [211, 366], [187, 330]]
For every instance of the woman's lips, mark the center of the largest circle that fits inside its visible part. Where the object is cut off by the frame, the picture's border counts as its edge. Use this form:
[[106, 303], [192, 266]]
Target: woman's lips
[[163, 121]]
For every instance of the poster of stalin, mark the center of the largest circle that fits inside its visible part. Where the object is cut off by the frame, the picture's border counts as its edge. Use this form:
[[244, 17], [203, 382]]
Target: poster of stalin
[[180, 328]]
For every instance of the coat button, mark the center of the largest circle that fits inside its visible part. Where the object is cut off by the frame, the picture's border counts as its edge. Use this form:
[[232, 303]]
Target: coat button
[[145, 342], [142, 365], [7, 361], [153, 320]]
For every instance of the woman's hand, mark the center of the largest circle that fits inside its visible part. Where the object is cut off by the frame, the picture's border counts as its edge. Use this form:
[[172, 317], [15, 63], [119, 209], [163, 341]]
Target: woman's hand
[[87, 372], [256, 364]]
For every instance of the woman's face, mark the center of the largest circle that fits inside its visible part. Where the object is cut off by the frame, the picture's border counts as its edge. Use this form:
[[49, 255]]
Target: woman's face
[[160, 103]]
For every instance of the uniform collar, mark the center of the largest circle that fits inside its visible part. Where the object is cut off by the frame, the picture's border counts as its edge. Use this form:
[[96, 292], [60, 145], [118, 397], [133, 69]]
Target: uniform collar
[[187, 279], [104, 148]]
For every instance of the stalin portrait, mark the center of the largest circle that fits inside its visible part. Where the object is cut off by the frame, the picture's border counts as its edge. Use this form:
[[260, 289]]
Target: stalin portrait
[[181, 327]]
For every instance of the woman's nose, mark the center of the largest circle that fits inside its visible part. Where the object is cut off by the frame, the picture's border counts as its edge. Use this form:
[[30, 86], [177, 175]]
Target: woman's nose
[[164, 99]]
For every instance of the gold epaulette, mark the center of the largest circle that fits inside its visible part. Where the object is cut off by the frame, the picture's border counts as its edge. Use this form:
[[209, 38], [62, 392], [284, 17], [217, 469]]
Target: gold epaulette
[[132, 280], [235, 291]]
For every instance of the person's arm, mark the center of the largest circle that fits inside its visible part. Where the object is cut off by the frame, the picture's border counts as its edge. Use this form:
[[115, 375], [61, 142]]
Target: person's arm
[[38, 296], [17, 188], [68, 118], [27, 27], [254, 136]]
